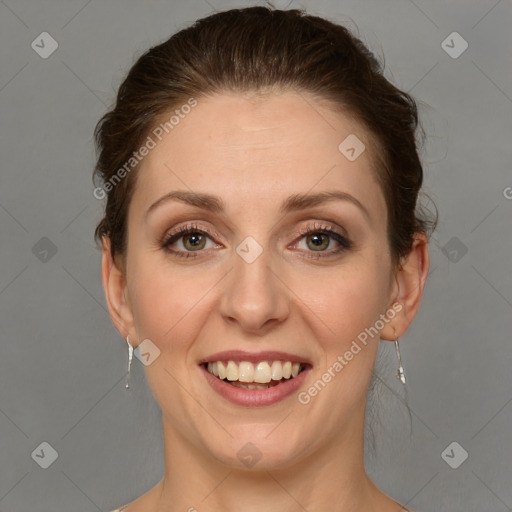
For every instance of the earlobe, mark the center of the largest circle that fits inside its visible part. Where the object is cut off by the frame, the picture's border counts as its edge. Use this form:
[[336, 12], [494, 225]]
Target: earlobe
[[114, 286], [410, 280]]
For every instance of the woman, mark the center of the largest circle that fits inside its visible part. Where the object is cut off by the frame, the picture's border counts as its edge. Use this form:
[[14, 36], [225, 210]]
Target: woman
[[260, 238]]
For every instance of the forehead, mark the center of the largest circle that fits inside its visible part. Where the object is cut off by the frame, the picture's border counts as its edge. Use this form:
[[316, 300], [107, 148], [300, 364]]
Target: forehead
[[260, 147]]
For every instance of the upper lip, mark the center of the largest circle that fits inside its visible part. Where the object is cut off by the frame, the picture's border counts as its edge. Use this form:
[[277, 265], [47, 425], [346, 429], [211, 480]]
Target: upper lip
[[254, 357]]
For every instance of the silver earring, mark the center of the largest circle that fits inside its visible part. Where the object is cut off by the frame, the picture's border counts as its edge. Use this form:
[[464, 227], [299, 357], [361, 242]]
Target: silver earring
[[400, 374], [130, 355]]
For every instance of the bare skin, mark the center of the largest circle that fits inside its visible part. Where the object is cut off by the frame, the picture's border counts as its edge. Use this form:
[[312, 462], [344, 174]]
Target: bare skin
[[253, 153]]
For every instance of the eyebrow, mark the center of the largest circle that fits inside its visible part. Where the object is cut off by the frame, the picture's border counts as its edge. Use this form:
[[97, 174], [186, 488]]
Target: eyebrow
[[293, 203]]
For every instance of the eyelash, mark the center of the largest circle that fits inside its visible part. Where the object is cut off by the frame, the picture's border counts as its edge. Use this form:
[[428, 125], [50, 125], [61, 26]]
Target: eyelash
[[343, 241]]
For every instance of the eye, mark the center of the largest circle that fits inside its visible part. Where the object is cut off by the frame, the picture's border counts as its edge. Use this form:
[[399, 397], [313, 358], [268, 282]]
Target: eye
[[319, 238], [190, 237]]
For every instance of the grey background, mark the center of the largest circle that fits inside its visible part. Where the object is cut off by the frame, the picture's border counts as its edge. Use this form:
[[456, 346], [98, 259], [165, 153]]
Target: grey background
[[62, 364]]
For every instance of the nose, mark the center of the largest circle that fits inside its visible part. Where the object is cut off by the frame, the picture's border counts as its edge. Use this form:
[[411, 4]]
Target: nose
[[254, 296]]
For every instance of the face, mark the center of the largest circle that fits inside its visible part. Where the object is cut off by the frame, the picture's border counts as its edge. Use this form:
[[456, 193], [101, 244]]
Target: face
[[259, 270]]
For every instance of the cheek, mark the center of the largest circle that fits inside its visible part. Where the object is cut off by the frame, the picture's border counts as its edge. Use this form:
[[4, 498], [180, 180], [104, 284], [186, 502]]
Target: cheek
[[348, 300], [165, 309], [168, 302]]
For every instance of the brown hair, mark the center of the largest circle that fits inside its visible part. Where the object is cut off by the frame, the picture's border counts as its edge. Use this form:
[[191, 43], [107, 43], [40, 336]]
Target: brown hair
[[257, 49]]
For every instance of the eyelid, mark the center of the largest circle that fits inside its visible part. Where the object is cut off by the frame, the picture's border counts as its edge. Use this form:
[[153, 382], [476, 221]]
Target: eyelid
[[187, 227], [338, 234], [176, 234], [320, 226]]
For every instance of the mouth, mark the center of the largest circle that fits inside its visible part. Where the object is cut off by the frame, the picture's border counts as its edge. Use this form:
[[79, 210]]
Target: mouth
[[253, 380], [261, 375]]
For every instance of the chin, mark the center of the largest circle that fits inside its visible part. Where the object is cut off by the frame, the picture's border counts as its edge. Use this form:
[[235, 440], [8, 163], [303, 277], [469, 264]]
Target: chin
[[248, 451]]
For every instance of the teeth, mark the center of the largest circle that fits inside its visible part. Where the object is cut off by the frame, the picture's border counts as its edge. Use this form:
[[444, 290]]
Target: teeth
[[250, 386], [277, 370], [261, 373], [245, 372], [213, 369], [221, 369], [232, 371]]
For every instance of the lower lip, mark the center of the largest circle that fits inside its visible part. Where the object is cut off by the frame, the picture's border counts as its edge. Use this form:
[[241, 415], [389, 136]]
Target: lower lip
[[254, 397]]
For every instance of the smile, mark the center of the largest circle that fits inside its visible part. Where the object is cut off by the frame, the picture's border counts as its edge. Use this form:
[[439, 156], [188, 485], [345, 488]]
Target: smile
[[255, 379], [261, 375]]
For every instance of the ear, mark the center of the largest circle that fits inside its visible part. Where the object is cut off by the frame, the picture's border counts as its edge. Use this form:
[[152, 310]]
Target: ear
[[116, 294], [408, 288]]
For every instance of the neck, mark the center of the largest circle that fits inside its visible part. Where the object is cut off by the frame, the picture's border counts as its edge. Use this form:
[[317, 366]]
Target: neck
[[329, 478]]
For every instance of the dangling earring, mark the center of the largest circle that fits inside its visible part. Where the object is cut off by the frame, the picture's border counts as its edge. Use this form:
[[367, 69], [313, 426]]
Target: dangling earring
[[400, 374], [130, 355]]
